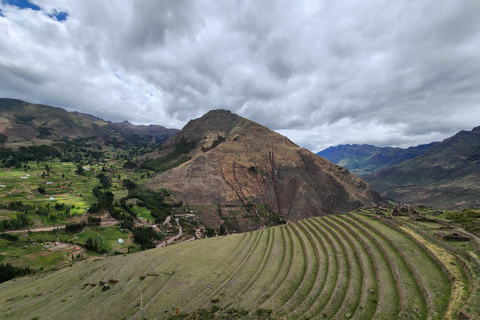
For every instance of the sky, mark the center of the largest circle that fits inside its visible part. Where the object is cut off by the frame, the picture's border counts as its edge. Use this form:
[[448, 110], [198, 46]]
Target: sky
[[322, 73]]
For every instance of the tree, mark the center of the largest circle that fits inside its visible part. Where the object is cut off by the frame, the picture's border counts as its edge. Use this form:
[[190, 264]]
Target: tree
[[91, 244], [80, 170], [41, 190]]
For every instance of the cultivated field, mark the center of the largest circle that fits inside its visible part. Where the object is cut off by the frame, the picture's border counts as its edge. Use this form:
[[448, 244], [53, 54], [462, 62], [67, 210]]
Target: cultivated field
[[349, 266]]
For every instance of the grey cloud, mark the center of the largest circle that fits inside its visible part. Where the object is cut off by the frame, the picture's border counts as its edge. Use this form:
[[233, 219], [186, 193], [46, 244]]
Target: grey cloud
[[385, 73]]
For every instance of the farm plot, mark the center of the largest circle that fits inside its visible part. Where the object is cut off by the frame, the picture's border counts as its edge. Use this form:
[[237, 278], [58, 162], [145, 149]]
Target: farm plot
[[337, 267]]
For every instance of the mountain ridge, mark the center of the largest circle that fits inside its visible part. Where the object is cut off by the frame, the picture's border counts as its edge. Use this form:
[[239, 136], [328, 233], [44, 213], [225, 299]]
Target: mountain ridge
[[365, 159], [21, 121], [445, 176]]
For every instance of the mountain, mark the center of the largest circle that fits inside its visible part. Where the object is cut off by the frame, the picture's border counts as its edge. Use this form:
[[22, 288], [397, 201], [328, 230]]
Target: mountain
[[446, 176], [366, 159], [222, 158], [21, 121]]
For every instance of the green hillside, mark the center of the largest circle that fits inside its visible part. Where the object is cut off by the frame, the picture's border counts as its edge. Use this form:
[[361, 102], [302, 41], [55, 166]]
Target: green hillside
[[350, 266], [365, 159]]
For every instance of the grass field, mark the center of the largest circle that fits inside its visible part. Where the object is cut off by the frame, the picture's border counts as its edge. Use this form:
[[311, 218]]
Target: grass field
[[350, 266], [62, 184]]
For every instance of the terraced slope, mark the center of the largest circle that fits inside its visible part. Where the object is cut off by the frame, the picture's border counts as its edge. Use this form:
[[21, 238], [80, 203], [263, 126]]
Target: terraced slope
[[337, 267]]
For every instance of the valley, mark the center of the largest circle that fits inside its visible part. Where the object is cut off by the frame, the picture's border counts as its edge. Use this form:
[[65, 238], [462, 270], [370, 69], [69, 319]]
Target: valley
[[225, 219]]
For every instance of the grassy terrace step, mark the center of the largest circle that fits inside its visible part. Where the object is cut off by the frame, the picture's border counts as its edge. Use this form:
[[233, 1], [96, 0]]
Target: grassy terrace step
[[335, 267], [279, 278], [62, 281], [310, 274], [239, 278], [388, 296], [354, 291], [260, 268], [343, 279], [330, 264], [366, 309], [319, 260], [295, 275], [256, 293], [414, 298], [472, 264], [220, 274], [449, 264]]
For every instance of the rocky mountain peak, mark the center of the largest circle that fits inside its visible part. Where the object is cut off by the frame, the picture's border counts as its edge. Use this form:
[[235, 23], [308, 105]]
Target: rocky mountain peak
[[230, 160]]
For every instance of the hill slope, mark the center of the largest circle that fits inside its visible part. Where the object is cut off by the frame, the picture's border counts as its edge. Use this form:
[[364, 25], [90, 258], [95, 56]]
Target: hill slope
[[21, 121], [365, 159], [343, 266], [228, 159], [446, 176]]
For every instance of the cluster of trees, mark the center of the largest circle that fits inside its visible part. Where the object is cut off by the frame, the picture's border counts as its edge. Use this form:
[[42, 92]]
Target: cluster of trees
[[468, 218], [172, 159], [105, 201], [9, 236], [93, 221], [14, 158], [145, 237], [21, 222], [209, 232], [129, 184], [19, 206], [7, 272], [75, 227], [153, 201], [91, 245], [104, 180]]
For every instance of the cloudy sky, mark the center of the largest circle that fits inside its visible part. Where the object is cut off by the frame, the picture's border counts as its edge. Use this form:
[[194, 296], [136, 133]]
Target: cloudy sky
[[323, 73]]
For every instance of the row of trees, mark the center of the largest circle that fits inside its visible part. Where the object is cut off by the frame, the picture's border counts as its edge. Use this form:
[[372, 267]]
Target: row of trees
[[21, 222], [75, 227]]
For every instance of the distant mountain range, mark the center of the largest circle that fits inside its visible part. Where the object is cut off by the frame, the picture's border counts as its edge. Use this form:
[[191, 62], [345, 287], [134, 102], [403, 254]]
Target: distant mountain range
[[24, 123], [366, 159], [446, 176], [222, 158]]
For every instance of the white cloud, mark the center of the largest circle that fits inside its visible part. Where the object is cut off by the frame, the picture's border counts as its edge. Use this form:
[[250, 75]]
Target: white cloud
[[323, 73]]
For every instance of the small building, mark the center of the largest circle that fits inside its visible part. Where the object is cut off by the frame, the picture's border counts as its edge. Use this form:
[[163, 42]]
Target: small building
[[23, 178], [120, 241], [451, 237], [2, 186], [52, 199], [49, 182], [78, 248], [419, 218]]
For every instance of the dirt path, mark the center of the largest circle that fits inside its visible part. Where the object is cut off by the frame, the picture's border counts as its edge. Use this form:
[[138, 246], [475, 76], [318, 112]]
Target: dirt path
[[106, 223], [36, 229], [180, 233]]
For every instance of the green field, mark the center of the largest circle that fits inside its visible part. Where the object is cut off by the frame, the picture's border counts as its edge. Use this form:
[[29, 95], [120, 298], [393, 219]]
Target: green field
[[350, 266], [63, 185]]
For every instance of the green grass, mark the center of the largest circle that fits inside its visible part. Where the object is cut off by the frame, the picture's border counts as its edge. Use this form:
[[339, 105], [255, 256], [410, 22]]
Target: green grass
[[330, 267], [107, 238]]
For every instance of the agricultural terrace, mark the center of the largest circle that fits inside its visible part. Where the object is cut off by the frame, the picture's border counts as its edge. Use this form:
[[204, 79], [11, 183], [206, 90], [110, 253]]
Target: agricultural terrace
[[350, 266], [42, 188]]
